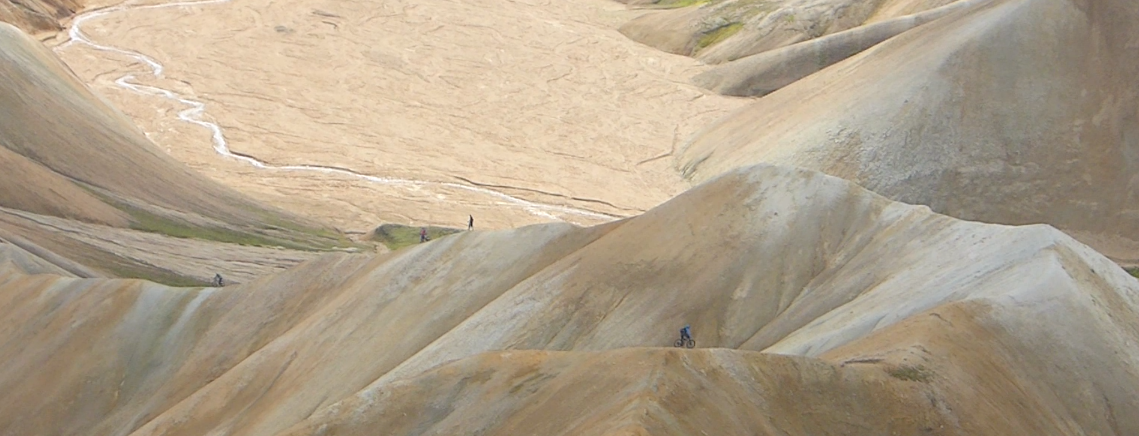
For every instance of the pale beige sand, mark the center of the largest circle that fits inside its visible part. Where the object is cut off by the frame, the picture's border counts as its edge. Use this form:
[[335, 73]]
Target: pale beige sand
[[542, 101], [66, 153]]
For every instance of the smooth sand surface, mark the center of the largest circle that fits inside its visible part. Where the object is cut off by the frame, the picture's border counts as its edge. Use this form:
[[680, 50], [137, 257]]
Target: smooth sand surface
[[545, 102]]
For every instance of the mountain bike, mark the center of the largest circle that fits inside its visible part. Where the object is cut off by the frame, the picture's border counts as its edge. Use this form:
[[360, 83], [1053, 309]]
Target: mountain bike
[[685, 343]]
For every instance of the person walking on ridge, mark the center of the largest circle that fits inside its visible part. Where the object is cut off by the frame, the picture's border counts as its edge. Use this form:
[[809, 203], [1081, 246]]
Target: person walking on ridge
[[422, 234], [471, 223], [218, 282]]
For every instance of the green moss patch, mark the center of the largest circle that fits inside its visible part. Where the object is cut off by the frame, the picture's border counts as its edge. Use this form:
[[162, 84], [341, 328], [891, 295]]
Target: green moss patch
[[149, 222], [396, 236], [327, 239], [671, 4], [916, 373], [717, 35], [307, 239]]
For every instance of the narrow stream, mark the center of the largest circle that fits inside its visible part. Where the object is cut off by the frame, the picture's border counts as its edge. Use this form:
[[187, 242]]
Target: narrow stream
[[193, 115]]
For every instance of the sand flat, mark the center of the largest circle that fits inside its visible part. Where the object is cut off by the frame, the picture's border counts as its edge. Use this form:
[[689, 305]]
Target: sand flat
[[546, 102]]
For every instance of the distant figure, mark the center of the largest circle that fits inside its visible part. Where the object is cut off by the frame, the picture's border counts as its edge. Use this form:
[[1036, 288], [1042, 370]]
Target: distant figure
[[422, 234], [685, 340], [218, 282], [471, 223]]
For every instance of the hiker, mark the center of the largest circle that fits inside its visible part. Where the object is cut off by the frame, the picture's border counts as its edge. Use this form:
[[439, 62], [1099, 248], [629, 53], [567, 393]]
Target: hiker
[[471, 223], [218, 282], [422, 234], [686, 333]]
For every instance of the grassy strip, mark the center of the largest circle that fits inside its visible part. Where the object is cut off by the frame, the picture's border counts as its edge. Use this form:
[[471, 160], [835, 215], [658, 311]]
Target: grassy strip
[[146, 221], [324, 239], [916, 373], [149, 222], [396, 236], [672, 4], [715, 36]]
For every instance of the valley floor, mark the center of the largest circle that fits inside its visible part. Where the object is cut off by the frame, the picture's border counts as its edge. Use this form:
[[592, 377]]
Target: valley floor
[[517, 113]]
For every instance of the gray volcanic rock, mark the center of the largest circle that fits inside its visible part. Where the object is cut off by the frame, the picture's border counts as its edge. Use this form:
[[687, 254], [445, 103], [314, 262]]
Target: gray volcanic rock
[[1019, 111], [724, 30], [763, 73]]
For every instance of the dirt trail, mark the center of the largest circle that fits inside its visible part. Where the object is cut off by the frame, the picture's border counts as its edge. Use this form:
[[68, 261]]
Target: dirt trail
[[583, 145]]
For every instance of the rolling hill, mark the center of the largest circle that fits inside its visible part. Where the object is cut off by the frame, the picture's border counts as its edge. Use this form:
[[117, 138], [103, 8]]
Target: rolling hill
[[69, 155], [1012, 112], [819, 306], [827, 310], [38, 16], [717, 31]]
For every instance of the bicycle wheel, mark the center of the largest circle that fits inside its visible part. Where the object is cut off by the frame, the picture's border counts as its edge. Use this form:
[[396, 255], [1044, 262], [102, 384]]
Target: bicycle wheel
[[691, 343], [679, 343]]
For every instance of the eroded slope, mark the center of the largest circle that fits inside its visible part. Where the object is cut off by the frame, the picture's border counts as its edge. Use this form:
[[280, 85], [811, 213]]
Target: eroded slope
[[718, 31], [75, 157], [637, 391], [1014, 112], [75, 170], [37, 15], [911, 315]]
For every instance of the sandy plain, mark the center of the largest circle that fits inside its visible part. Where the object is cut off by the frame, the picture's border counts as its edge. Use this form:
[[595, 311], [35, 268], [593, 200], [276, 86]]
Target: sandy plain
[[453, 103]]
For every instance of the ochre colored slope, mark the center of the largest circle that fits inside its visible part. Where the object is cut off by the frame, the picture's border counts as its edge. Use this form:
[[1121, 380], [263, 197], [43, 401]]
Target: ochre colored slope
[[52, 119], [903, 320], [68, 154], [352, 317], [646, 391], [16, 259], [116, 347], [27, 185], [35, 16], [30, 258]]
